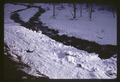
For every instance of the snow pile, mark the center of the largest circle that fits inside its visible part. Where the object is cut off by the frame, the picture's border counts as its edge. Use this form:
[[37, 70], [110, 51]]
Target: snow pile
[[53, 59], [102, 29]]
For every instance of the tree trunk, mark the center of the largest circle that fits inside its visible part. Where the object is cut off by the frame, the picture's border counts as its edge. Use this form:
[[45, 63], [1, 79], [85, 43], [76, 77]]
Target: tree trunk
[[53, 9], [113, 12], [74, 10], [80, 10], [90, 12]]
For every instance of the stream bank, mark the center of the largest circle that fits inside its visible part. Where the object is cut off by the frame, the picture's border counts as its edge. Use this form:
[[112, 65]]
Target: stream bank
[[34, 23]]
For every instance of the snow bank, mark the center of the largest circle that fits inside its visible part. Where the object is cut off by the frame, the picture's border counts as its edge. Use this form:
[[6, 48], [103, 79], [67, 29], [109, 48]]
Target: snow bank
[[54, 59]]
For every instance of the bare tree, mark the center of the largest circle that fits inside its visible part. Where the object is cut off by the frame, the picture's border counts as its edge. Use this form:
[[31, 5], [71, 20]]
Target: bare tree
[[80, 10], [53, 9], [74, 10], [90, 11], [113, 11]]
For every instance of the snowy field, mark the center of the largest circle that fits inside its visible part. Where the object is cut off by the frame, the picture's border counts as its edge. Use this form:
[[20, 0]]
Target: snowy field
[[55, 60], [102, 29]]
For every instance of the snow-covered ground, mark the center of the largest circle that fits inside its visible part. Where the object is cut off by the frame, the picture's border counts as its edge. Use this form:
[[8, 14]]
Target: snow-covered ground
[[53, 59], [102, 29], [8, 9], [30, 12]]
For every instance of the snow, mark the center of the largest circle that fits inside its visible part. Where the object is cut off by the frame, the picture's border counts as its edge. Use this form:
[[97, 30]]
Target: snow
[[102, 29], [45, 58], [8, 9], [54, 59], [30, 11]]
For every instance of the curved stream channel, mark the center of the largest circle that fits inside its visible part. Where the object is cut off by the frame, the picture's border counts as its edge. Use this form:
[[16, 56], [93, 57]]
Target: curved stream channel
[[34, 23]]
